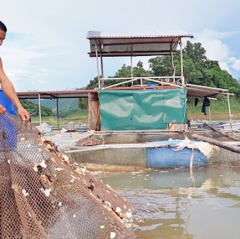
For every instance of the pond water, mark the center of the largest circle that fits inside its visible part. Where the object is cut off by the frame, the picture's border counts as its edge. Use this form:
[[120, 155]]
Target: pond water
[[178, 204]]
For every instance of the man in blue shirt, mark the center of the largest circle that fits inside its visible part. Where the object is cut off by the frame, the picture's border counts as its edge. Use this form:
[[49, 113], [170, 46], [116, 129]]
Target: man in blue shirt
[[7, 85]]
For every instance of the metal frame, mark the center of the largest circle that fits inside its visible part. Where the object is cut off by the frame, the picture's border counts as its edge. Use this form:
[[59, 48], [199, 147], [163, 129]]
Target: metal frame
[[110, 46]]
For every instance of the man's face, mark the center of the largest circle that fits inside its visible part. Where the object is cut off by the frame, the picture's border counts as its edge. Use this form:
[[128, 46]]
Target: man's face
[[2, 36]]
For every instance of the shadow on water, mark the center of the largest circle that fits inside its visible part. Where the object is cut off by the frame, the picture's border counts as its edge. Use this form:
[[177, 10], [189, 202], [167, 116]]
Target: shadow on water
[[177, 204]]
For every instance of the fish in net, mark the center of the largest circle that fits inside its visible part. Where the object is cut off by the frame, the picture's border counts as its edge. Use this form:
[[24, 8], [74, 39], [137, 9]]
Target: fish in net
[[45, 194]]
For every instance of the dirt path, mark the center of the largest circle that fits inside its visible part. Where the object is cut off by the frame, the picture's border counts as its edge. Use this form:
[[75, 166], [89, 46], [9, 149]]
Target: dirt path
[[213, 116]]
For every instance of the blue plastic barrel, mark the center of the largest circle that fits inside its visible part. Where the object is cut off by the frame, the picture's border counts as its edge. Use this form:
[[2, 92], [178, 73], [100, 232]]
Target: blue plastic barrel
[[168, 157], [7, 103]]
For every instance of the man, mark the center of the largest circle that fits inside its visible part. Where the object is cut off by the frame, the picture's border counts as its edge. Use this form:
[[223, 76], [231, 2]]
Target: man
[[7, 85]]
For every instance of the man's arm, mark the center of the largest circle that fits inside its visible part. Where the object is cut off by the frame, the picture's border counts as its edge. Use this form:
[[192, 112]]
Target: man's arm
[[9, 90]]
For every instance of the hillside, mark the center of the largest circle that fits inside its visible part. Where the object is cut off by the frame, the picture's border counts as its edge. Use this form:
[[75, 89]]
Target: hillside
[[65, 106]]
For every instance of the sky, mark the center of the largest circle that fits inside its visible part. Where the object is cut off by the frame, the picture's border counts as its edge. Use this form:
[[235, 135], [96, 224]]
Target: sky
[[46, 46]]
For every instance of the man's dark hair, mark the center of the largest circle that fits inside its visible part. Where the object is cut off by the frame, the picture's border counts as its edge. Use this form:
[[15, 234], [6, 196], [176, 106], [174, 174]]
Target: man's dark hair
[[3, 27]]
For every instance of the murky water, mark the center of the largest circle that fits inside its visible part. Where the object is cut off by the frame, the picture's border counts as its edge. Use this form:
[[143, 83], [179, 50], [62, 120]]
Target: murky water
[[175, 204]]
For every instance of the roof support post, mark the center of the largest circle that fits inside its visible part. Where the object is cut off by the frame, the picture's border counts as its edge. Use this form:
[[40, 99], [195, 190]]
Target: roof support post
[[209, 113], [39, 109], [172, 67], [131, 69], [57, 116], [132, 63], [229, 110], [101, 59], [181, 63], [102, 72], [96, 52]]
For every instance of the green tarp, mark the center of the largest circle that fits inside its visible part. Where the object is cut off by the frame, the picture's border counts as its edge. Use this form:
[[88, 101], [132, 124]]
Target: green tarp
[[142, 109]]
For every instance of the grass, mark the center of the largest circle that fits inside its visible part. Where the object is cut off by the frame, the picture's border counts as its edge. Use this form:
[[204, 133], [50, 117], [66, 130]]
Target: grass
[[79, 117], [218, 110]]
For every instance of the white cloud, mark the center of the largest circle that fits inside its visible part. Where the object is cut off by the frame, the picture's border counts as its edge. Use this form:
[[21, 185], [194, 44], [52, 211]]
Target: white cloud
[[216, 49], [235, 63], [17, 62], [211, 41]]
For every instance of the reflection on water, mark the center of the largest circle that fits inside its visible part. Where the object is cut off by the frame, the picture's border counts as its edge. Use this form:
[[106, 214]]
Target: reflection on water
[[173, 204]]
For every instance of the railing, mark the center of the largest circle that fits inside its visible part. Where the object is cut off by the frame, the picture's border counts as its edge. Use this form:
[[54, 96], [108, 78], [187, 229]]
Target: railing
[[158, 80]]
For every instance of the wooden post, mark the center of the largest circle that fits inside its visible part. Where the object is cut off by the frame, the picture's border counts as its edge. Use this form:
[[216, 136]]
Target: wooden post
[[93, 112]]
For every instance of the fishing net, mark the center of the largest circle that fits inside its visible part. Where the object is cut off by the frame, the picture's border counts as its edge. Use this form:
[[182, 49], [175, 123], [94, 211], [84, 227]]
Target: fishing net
[[44, 194]]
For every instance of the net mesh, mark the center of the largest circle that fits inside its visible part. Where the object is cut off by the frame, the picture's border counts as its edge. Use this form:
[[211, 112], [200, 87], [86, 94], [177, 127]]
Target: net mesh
[[44, 194]]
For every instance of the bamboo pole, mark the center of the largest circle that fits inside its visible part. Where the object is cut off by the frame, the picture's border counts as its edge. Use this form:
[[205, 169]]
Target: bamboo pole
[[220, 132], [217, 143]]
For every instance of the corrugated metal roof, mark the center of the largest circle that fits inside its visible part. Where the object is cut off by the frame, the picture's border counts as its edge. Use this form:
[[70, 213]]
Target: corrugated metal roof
[[201, 91], [98, 35], [55, 94], [133, 45]]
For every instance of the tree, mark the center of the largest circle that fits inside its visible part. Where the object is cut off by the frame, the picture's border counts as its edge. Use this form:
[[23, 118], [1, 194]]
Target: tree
[[82, 103], [160, 66], [125, 71], [195, 52], [197, 69], [92, 84]]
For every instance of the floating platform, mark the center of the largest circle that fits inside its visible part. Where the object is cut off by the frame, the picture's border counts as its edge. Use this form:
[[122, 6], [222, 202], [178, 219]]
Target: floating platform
[[161, 154], [149, 150]]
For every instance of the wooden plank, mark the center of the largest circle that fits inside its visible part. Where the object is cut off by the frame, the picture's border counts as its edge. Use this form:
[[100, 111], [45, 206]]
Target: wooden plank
[[217, 143]]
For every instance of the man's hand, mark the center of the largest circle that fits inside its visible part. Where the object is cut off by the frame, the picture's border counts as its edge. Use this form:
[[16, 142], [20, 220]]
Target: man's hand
[[2, 109], [24, 114]]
